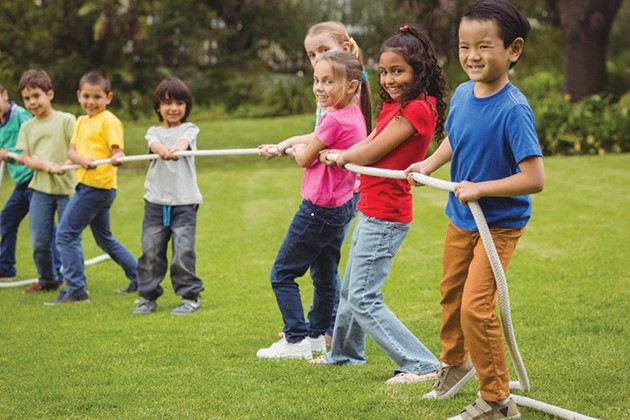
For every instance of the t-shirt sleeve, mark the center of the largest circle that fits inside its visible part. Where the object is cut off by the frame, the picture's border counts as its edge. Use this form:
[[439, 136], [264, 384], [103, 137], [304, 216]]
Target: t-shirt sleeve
[[69, 124], [328, 130], [420, 114], [151, 137], [521, 133], [113, 132], [22, 140], [190, 134]]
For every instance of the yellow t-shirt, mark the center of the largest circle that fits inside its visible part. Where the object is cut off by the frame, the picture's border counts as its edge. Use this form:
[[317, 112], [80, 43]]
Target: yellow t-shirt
[[94, 138]]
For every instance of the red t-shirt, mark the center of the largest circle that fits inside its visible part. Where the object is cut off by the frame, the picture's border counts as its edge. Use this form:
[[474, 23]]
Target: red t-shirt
[[391, 199]]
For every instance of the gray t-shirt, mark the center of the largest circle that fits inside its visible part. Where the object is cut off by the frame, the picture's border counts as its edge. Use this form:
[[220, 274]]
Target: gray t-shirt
[[172, 182]]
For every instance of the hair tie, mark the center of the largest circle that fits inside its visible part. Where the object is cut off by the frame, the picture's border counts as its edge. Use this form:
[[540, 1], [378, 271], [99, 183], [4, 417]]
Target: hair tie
[[364, 76], [403, 29]]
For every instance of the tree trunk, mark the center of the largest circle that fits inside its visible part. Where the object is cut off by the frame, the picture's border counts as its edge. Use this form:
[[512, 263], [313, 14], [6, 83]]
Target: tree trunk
[[586, 27]]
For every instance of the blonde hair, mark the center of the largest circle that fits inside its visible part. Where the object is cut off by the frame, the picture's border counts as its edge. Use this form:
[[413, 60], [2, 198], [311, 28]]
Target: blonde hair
[[337, 31]]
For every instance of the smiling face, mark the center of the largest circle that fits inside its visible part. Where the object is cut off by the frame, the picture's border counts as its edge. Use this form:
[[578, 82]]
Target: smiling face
[[483, 56], [172, 112], [395, 73], [316, 45], [38, 102], [93, 98], [331, 90]]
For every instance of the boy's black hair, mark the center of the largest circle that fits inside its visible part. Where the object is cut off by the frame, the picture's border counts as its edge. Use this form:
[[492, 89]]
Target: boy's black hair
[[35, 79], [172, 88], [96, 78], [510, 21], [429, 80]]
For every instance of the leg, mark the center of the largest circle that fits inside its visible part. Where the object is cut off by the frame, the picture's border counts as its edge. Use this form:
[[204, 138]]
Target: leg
[[373, 256], [152, 263], [183, 264], [14, 211], [101, 229], [482, 330], [42, 215]]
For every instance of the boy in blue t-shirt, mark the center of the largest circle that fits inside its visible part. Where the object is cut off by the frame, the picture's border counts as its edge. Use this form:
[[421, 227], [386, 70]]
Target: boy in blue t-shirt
[[496, 160]]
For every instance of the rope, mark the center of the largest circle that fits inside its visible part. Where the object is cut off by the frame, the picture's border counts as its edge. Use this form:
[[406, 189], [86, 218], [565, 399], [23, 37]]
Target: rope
[[486, 238]]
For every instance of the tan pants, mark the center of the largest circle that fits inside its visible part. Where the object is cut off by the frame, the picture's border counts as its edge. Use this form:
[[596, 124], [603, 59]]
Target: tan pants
[[469, 300]]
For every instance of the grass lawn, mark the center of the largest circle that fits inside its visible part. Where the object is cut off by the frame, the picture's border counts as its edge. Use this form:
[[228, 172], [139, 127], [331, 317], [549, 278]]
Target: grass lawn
[[569, 286]]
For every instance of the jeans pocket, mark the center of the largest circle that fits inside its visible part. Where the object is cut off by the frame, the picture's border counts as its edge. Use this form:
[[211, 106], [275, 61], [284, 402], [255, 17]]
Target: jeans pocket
[[330, 231]]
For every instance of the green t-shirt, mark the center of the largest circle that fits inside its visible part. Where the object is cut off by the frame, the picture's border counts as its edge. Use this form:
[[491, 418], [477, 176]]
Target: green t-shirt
[[8, 138], [49, 139]]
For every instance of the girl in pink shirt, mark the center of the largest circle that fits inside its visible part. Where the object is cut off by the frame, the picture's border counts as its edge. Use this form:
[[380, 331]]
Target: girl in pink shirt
[[316, 233]]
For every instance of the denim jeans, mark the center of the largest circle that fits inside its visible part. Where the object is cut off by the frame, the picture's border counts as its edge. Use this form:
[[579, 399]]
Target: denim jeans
[[89, 207], [313, 241], [361, 309], [15, 209], [42, 233], [153, 262]]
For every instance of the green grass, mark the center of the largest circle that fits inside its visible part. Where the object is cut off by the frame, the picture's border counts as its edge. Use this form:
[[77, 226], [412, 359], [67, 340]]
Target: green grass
[[569, 287]]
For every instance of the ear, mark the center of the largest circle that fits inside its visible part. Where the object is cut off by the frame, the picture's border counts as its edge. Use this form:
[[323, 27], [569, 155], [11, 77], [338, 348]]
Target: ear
[[79, 94], [109, 97], [353, 86], [50, 94], [516, 49], [345, 46]]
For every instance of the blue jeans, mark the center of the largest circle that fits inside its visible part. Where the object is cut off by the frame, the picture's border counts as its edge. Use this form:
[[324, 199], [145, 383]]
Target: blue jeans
[[361, 310], [42, 232], [15, 209], [153, 262], [89, 207], [313, 241]]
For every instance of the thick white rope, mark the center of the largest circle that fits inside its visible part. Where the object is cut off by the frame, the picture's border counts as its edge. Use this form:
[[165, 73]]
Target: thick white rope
[[486, 237], [91, 261]]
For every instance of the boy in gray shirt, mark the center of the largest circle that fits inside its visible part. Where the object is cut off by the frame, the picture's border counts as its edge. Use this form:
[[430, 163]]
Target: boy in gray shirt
[[171, 203]]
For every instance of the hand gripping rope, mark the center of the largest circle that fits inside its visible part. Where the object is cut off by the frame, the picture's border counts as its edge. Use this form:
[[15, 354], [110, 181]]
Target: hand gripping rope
[[484, 231]]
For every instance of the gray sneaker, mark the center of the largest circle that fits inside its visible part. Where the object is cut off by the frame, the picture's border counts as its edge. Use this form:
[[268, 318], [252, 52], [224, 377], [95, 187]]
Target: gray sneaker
[[66, 297], [484, 410], [187, 306], [145, 306], [451, 379]]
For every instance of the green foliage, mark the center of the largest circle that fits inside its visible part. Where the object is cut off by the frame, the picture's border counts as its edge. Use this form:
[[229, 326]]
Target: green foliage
[[568, 288]]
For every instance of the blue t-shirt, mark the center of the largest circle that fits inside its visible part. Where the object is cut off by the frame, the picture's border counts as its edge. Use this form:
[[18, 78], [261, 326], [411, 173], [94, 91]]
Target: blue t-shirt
[[489, 137]]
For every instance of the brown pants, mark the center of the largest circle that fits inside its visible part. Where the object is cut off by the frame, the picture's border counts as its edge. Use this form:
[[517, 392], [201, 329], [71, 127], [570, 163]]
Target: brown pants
[[469, 300]]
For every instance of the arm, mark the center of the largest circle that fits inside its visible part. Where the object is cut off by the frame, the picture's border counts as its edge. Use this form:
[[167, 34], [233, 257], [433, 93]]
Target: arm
[[75, 157], [530, 180], [117, 152], [367, 152], [167, 153], [281, 148], [304, 155], [431, 164], [40, 164]]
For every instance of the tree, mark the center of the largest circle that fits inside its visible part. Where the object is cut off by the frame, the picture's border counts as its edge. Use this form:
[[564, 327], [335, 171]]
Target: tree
[[586, 26]]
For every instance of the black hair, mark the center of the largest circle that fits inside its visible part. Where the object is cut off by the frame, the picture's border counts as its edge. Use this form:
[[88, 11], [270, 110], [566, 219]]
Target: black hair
[[429, 80], [169, 89], [96, 78], [510, 21]]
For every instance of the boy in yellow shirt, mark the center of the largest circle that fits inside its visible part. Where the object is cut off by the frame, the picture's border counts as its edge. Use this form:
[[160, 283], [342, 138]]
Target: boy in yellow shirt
[[97, 135]]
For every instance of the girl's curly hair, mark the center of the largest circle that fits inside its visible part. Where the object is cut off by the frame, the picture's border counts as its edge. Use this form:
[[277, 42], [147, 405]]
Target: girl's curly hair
[[429, 80]]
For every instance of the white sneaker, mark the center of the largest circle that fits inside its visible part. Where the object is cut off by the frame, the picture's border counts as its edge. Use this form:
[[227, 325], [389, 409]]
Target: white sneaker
[[285, 350], [318, 345], [411, 378]]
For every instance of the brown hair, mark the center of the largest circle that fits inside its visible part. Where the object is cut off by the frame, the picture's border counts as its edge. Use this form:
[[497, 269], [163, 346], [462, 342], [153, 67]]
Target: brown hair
[[337, 31], [172, 88], [35, 79], [96, 78]]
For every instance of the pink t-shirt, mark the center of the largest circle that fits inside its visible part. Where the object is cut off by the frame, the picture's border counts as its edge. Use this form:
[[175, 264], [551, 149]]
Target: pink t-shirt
[[330, 186], [391, 199]]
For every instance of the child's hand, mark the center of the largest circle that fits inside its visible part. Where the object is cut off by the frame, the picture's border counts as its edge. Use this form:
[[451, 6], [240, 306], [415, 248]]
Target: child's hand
[[341, 160], [263, 151], [283, 146], [55, 169], [167, 154], [419, 167], [88, 163], [4, 155], [467, 191], [323, 156], [20, 159], [114, 160]]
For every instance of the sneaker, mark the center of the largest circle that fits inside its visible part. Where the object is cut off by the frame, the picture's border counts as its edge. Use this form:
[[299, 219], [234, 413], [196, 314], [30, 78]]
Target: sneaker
[[411, 378], [43, 287], [6, 277], [285, 350], [321, 360], [318, 345], [484, 410], [145, 306], [132, 288], [187, 306], [65, 297], [451, 379]]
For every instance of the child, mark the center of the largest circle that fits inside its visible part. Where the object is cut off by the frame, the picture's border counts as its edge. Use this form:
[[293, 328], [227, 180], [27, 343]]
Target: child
[[413, 88], [44, 140], [497, 162], [321, 38], [97, 135], [315, 235], [12, 117], [171, 203]]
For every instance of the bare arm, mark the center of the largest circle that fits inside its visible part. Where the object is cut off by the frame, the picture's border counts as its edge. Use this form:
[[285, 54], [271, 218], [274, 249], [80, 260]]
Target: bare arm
[[41, 164], [530, 180], [167, 153], [75, 157], [304, 155], [442, 154], [281, 148], [367, 152]]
